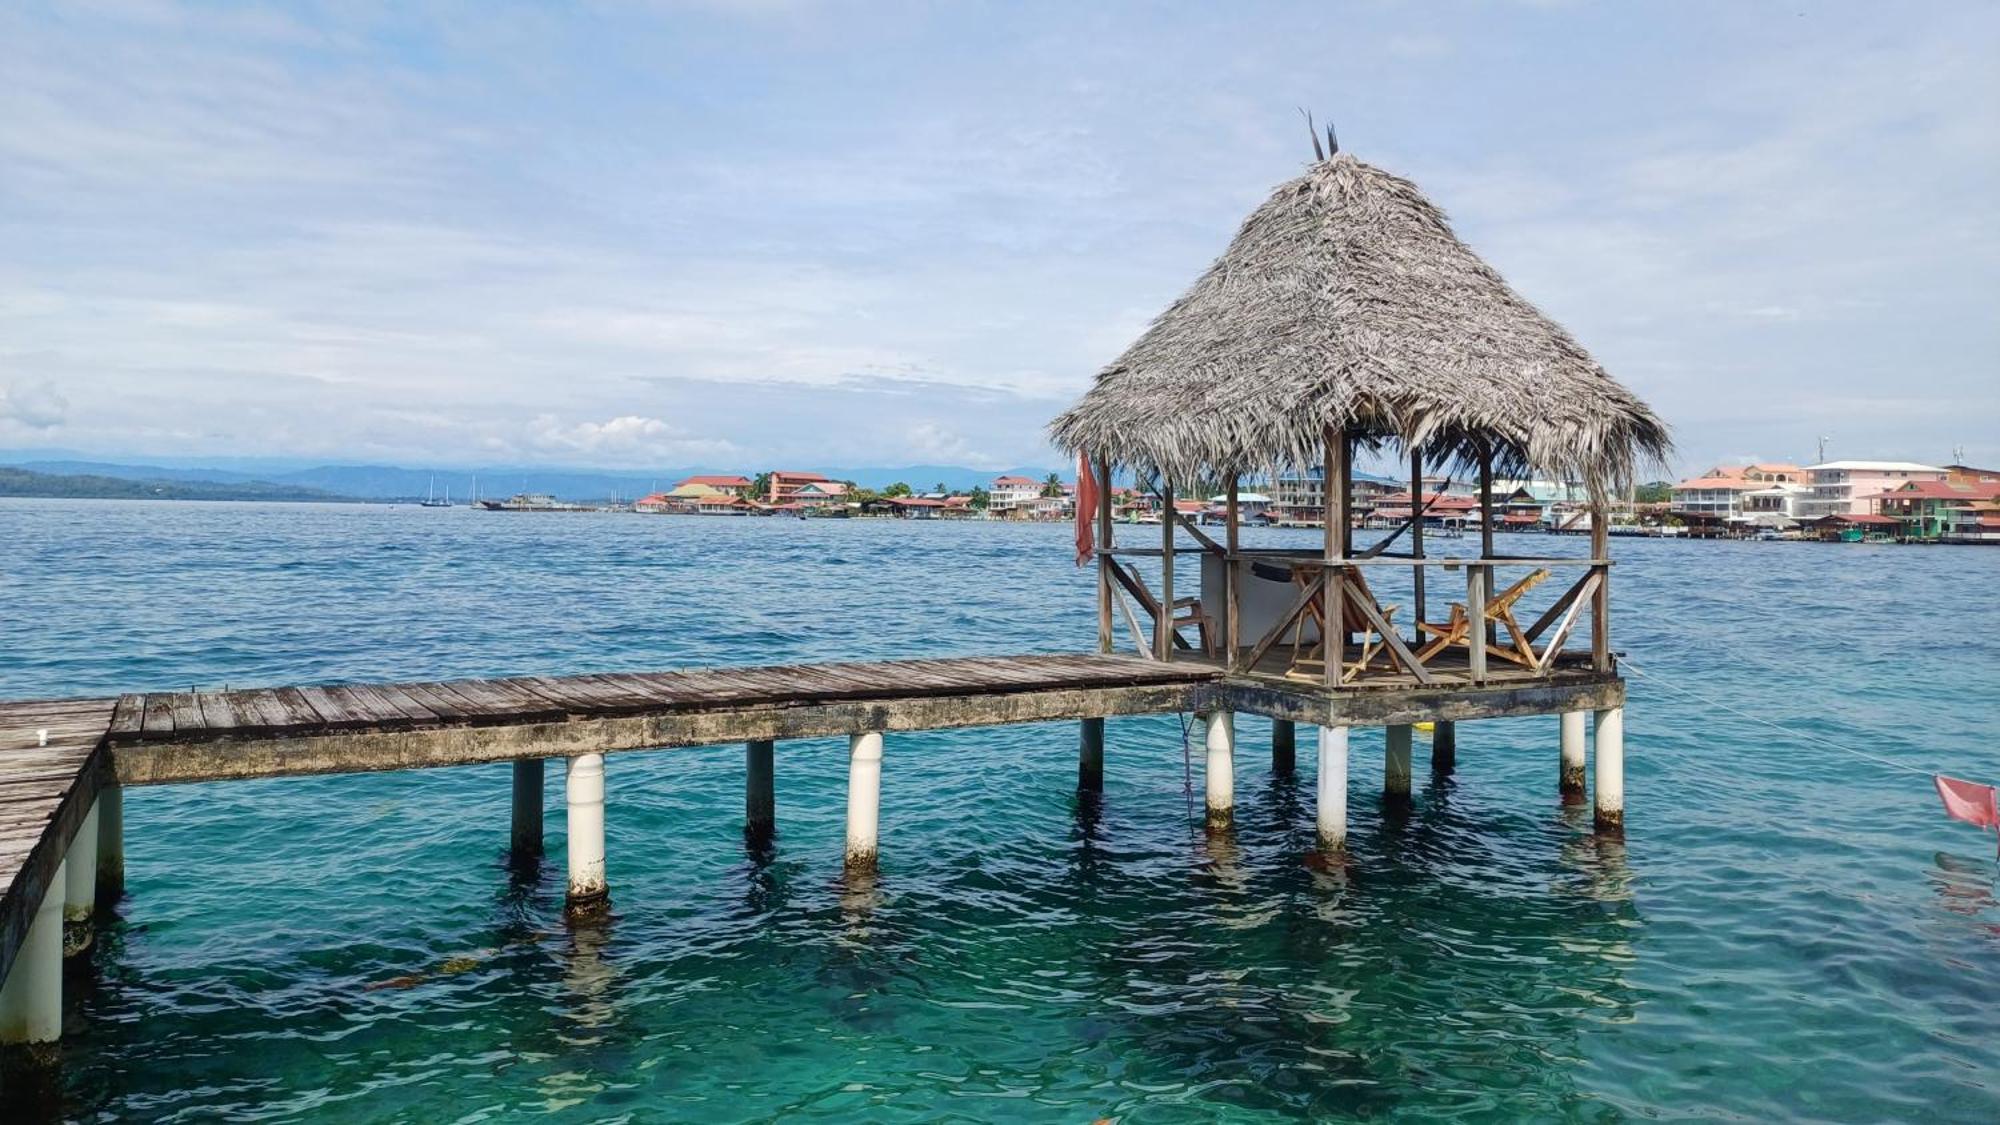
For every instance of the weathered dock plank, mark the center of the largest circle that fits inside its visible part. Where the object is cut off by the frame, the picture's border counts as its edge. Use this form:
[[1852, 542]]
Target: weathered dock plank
[[45, 790], [363, 727]]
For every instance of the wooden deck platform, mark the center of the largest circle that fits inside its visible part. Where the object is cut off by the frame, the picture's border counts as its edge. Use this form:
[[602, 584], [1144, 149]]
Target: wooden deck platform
[[47, 786]]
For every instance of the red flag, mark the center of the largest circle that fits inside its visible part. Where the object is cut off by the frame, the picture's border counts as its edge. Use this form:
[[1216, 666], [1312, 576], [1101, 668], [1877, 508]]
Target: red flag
[[1086, 510], [1968, 801]]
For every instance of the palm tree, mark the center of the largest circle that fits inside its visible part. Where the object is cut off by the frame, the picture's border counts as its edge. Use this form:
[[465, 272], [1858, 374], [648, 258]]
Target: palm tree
[[1052, 486]]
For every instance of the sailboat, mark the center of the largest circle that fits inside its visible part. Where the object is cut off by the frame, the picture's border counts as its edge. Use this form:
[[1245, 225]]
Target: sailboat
[[431, 500]]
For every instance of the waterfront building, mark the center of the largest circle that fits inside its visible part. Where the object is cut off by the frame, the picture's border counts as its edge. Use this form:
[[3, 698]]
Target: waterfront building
[[1010, 494], [1768, 494], [821, 494], [786, 485], [726, 485], [1941, 509], [1851, 487]]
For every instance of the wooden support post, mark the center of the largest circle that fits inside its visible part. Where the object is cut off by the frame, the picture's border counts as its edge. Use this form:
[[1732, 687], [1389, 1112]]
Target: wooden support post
[[79, 886], [1232, 639], [760, 789], [526, 838], [1396, 763], [864, 799], [1284, 747], [31, 997], [1475, 607], [1090, 756], [1333, 627], [1480, 625], [583, 789], [1104, 595], [1219, 772], [1444, 747], [1163, 625], [1600, 598], [1331, 815], [1417, 542], [1610, 769], [110, 846], [1569, 781]]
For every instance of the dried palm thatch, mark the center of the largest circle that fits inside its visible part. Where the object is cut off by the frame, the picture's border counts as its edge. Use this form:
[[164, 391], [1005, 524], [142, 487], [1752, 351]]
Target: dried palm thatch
[[1346, 301]]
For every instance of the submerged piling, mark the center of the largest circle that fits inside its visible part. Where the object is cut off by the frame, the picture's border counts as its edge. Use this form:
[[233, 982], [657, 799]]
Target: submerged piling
[[1396, 763], [583, 787], [525, 840], [1331, 815], [1090, 756], [864, 799], [110, 846], [1570, 781], [31, 997], [1444, 748], [1610, 769], [1284, 747], [79, 886], [1219, 773], [760, 797]]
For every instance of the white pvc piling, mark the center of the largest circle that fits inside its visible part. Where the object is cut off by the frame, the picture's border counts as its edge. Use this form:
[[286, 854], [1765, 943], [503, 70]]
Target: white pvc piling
[[584, 790], [760, 797], [110, 845], [1610, 771], [79, 887], [1396, 762], [864, 799], [31, 998], [1219, 774], [526, 837], [1090, 756], [1570, 781], [1332, 811]]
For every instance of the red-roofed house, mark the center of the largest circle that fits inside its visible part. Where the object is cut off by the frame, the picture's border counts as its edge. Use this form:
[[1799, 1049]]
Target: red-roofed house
[[784, 486], [1940, 509], [1010, 494], [729, 485]]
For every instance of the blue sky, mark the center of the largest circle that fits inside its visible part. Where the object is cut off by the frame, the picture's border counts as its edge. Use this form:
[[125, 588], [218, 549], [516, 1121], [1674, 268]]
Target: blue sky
[[753, 233]]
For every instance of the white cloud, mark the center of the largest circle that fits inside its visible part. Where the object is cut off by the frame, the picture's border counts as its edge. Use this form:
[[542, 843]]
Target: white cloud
[[35, 405], [681, 232], [629, 438]]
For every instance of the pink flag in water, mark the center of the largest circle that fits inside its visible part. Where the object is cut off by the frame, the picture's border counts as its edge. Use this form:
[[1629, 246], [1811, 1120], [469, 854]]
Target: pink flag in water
[[1968, 801]]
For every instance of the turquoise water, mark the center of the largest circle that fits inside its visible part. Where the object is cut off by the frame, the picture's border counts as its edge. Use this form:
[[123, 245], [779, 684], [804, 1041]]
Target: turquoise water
[[1785, 932]]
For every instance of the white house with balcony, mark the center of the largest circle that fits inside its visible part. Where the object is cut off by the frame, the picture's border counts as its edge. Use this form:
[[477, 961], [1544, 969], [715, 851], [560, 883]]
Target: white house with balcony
[[1010, 495], [1850, 488]]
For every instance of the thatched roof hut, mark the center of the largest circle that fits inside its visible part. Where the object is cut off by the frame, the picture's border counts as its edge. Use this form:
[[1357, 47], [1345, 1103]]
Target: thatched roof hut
[[1347, 302]]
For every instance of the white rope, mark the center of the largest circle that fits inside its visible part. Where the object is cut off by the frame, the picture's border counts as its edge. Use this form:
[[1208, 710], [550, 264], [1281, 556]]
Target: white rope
[[1779, 727]]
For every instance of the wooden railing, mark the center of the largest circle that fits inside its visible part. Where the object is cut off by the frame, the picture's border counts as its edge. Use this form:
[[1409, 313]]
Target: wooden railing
[[1484, 625]]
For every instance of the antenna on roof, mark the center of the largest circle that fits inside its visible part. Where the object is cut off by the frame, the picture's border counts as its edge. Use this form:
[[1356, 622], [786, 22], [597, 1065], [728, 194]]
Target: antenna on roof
[[1313, 132]]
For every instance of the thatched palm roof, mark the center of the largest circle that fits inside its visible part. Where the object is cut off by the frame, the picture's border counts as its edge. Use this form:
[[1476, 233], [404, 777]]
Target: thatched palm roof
[[1347, 301]]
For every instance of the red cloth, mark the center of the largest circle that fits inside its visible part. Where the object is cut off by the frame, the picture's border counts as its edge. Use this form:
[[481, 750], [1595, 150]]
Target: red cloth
[[1968, 801], [1086, 510]]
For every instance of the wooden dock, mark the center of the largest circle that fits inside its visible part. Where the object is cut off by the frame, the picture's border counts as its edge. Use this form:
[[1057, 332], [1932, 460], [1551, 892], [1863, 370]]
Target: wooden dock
[[64, 763]]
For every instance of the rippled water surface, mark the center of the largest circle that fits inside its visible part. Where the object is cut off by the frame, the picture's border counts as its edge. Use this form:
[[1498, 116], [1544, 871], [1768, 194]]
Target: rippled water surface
[[1784, 933]]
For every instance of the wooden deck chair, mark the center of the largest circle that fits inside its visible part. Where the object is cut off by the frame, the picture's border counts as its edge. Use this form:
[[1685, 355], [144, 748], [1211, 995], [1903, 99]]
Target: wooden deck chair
[[1352, 621], [1188, 611], [1499, 611]]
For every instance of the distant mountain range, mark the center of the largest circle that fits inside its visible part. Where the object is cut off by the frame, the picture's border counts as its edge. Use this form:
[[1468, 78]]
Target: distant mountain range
[[278, 481], [92, 486]]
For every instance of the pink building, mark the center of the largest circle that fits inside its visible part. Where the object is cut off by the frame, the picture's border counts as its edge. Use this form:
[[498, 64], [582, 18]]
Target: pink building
[[1850, 488]]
